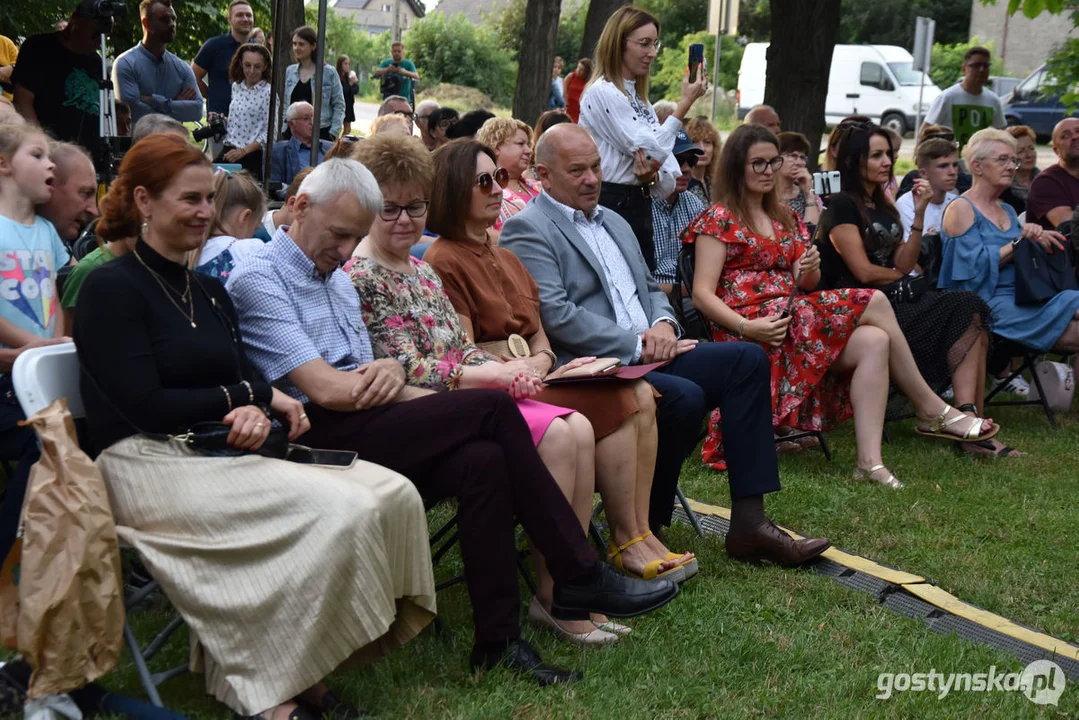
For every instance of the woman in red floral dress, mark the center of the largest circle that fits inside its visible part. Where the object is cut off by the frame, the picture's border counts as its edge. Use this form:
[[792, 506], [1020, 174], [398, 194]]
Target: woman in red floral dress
[[833, 354]]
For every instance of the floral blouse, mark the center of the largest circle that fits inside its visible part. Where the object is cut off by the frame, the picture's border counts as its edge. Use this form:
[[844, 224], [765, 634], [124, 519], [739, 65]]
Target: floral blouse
[[411, 320], [514, 202]]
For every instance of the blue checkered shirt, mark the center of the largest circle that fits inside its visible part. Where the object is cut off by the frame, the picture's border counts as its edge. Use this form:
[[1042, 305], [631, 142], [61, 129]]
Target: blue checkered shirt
[[291, 314], [668, 222]]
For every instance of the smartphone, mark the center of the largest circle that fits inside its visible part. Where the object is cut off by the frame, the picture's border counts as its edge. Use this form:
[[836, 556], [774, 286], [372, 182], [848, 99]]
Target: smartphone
[[827, 183], [696, 59], [311, 456]]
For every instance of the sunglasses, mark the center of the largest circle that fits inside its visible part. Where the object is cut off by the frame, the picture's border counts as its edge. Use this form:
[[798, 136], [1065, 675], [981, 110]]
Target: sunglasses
[[447, 124], [391, 212], [487, 180], [690, 159]]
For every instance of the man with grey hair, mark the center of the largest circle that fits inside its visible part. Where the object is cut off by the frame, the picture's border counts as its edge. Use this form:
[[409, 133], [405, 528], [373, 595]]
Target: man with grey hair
[[765, 115], [289, 157], [397, 105], [73, 203], [302, 327], [598, 299], [423, 117], [156, 123]]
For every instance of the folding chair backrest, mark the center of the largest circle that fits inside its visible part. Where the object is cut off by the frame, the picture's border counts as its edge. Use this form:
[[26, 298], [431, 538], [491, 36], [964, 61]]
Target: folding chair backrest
[[43, 374]]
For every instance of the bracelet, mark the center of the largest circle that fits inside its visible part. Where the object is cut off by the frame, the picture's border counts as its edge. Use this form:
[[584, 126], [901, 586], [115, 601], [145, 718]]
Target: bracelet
[[227, 396], [1016, 241], [453, 380], [915, 228], [742, 328], [554, 358], [250, 392]]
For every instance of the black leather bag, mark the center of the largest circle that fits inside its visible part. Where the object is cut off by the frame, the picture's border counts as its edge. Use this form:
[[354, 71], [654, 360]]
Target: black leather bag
[[906, 290], [1039, 275], [211, 438]]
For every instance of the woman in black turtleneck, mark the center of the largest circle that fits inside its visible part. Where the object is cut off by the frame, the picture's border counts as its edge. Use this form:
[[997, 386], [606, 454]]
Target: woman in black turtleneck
[[282, 571]]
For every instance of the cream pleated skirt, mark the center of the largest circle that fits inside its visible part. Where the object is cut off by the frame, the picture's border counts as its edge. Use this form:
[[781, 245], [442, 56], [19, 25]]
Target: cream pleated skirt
[[283, 572]]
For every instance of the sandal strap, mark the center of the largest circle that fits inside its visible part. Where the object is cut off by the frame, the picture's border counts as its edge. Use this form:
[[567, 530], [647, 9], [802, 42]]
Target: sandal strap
[[634, 541], [973, 431]]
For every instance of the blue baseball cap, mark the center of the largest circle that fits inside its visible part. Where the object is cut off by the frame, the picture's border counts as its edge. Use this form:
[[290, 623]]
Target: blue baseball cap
[[682, 144]]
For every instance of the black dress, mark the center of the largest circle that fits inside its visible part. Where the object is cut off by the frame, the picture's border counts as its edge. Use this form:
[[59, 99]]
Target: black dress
[[940, 327], [348, 88], [144, 358]]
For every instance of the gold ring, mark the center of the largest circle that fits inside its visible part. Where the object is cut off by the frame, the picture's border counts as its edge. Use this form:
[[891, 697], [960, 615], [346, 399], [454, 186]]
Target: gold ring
[[259, 425], [303, 416]]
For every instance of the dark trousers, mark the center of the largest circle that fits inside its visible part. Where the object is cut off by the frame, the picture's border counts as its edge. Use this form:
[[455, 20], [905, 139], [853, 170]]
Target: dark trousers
[[735, 378], [17, 445], [251, 162], [634, 204], [472, 445]]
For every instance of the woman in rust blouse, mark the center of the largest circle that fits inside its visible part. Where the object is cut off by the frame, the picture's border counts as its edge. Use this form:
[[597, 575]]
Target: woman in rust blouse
[[495, 297]]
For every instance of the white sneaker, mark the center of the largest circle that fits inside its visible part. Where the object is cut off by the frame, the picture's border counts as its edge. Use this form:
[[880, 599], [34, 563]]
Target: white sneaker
[[948, 395], [1016, 386]]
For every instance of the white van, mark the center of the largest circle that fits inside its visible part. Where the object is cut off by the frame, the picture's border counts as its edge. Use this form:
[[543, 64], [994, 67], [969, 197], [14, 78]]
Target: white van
[[872, 80]]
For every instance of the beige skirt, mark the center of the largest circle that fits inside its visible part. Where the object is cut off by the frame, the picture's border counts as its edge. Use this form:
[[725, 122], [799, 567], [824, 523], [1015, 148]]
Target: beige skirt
[[283, 572]]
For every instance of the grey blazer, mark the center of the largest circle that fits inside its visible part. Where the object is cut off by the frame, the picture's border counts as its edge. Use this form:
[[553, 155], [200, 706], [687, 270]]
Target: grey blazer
[[575, 298]]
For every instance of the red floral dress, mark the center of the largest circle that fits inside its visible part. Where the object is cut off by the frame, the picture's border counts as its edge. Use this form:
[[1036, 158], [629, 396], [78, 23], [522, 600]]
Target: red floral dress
[[757, 280]]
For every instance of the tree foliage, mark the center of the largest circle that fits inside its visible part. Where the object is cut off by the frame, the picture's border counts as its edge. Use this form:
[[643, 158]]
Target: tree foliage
[[508, 26], [884, 22], [453, 50], [342, 38], [947, 63], [1064, 64], [196, 21], [677, 18], [666, 83]]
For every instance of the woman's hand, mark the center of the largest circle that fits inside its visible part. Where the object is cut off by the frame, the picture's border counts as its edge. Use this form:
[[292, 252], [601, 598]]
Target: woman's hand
[[644, 169], [804, 181], [249, 427], [572, 364], [693, 91], [235, 155], [923, 193], [767, 330], [1048, 239], [292, 410], [518, 378], [808, 263]]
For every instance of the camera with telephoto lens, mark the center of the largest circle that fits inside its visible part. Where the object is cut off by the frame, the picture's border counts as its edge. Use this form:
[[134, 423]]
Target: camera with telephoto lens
[[214, 129], [102, 12]]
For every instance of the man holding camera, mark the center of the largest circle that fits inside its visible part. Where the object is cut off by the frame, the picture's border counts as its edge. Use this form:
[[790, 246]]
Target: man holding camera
[[397, 74], [148, 78], [57, 77]]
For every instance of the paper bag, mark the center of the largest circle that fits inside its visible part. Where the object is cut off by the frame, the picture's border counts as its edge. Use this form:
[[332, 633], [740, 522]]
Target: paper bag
[[70, 602]]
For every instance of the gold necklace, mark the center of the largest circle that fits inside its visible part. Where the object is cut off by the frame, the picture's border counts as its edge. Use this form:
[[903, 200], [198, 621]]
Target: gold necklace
[[185, 296]]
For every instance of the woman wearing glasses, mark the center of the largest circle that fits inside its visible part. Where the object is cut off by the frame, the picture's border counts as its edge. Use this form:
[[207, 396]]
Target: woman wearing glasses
[[512, 142], [635, 149], [440, 121], [832, 351], [794, 183], [1025, 150], [861, 244], [980, 236], [411, 319]]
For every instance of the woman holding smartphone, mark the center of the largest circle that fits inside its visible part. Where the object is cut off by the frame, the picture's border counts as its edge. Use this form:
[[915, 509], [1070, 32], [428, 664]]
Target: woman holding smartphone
[[832, 351], [634, 148]]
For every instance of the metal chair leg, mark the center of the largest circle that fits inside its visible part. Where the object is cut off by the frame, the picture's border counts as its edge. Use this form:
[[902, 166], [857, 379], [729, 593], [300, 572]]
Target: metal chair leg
[[824, 446], [140, 665], [1041, 396], [693, 519]]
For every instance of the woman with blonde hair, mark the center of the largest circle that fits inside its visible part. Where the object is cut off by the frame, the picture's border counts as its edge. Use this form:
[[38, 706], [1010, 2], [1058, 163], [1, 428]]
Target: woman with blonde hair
[[239, 205], [705, 136], [511, 140], [635, 149]]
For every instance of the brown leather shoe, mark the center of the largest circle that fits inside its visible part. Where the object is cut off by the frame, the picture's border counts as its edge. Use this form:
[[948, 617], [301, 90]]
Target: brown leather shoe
[[766, 542]]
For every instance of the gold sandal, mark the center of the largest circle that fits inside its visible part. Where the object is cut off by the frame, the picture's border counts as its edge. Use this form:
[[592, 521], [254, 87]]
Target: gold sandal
[[867, 474], [938, 425], [651, 569]]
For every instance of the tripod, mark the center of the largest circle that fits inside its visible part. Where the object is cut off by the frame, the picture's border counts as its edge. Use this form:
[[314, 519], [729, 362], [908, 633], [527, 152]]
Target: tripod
[[106, 124]]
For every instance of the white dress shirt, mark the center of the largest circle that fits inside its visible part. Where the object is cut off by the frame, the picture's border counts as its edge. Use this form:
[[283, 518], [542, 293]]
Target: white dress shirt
[[620, 123]]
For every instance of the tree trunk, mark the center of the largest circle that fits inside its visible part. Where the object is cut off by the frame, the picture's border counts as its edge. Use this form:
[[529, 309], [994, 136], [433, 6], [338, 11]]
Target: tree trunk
[[598, 12], [536, 59], [804, 33]]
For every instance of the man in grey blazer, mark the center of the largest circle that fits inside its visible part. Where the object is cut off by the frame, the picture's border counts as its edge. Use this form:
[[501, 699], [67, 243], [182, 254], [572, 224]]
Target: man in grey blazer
[[597, 298]]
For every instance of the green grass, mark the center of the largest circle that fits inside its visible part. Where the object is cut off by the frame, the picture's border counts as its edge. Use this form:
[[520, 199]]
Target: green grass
[[746, 642]]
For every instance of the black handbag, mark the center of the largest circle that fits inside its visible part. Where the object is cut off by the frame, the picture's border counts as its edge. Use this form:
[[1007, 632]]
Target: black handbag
[[210, 437], [906, 290], [1039, 275]]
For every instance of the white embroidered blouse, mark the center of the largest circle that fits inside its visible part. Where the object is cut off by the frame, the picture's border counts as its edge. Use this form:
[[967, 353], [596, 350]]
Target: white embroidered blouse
[[622, 122]]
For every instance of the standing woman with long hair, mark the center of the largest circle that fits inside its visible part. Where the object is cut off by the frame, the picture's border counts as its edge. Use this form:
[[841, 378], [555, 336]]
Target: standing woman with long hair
[[635, 149], [575, 84], [249, 109], [299, 79], [349, 85]]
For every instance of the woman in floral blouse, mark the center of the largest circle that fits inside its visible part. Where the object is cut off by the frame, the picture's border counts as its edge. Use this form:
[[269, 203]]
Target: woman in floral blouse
[[411, 319], [512, 142], [833, 352]]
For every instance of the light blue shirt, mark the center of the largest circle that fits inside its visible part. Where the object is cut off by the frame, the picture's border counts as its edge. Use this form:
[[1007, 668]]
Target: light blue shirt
[[137, 74], [29, 258], [291, 314]]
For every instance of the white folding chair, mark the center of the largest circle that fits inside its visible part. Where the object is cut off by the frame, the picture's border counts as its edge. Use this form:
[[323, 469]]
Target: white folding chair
[[40, 376]]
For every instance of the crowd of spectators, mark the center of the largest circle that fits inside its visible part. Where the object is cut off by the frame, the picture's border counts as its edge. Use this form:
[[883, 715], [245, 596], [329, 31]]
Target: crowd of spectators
[[419, 297]]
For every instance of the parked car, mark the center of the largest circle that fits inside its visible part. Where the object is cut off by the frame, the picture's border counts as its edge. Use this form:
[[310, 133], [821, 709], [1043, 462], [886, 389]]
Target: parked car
[[1028, 104], [1001, 84], [872, 80]]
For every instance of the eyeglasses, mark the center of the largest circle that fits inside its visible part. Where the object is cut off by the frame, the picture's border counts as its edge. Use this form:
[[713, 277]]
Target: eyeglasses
[[760, 165], [1007, 160], [978, 65], [447, 124], [404, 114], [797, 157], [391, 212], [647, 44], [487, 180]]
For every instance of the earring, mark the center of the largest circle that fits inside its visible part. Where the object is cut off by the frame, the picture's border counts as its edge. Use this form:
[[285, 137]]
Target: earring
[[145, 224]]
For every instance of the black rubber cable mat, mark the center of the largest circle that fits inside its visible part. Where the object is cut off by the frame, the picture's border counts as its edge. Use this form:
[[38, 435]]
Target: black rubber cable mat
[[903, 599]]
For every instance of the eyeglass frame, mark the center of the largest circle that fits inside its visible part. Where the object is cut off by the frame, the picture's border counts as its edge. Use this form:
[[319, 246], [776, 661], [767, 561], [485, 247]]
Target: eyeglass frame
[[646, 44], [767, 164], [410, 115], [502, 173], [1016, 161], [398, 209]]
